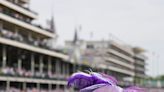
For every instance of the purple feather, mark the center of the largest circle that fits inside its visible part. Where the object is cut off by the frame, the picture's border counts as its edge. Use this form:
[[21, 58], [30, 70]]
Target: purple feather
[[95, 82], [92, 88], [110, 78], [80, 80], [104, 88], [109, 88], [103, 78]]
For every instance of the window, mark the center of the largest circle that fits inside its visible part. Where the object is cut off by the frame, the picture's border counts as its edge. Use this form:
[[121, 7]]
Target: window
[[90, 46]]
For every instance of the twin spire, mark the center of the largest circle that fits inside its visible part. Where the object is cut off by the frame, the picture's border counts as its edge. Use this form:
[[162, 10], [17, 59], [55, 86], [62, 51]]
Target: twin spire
[[53, 28], [76, 36], [52, 24]]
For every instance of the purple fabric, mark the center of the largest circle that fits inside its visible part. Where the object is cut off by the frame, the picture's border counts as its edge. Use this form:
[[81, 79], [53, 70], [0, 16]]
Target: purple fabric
[[80, 80], [95, 82], [102, 88], [109, 88], [103, 78], [111, 78], [134, 89], [92, 88]]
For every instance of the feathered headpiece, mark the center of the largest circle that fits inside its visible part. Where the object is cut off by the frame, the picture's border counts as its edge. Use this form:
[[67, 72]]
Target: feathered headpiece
[[97, 82]]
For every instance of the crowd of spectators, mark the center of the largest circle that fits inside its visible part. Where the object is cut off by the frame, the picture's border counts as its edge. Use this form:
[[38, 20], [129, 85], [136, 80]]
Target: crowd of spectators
[[29, 40], [10, 71], [15, 71], [22, 18]]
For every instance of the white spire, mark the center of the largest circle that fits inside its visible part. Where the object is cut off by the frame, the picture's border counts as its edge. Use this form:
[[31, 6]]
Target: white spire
[[76, 38], [52, 23]]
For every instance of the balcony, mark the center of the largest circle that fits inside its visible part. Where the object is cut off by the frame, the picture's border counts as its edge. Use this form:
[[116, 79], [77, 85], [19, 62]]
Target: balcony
[[138, 62], [140, 75], [121, 55], [19, 8], [142, 69], [22, 6], [141, 57], [14, 72], [14, 15], [25, 1], [18, 37], [118, 67], [110, 59], [31, 80], [124, 48], [17, 40], [12, 18], [131, 73]]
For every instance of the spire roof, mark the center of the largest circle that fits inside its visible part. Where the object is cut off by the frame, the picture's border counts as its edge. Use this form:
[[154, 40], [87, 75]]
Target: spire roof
[[75, 39]]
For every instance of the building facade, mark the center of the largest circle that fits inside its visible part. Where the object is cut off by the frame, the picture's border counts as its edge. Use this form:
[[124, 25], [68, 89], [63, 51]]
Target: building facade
[[140, 66], [112, 58], [27, 62]]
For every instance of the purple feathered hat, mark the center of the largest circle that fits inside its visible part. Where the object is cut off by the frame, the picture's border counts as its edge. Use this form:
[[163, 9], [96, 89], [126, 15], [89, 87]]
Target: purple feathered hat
[[97, 82]]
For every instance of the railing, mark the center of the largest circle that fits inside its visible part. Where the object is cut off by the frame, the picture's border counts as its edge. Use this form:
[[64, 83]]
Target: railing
[[18, 37], [140, 62], [13, 15], [121, 55], [11, 72], [120, 62], [22, 7], [140, 68], [141, 56]]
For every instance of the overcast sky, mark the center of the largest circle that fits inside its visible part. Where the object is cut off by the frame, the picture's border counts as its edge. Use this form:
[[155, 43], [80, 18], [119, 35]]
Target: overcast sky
[[136, 22]]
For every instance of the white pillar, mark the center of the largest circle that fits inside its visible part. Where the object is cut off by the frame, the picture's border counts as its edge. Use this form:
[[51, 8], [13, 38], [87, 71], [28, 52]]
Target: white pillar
[[49, 87], [49, 65], [16, 29], [57, 67], [38, 86], [4, 56], [1, 25], [19, 63], [57, 86], [41, 65], [64, 68], [7, 86], [32, 64], [65, 88], [24, 86]]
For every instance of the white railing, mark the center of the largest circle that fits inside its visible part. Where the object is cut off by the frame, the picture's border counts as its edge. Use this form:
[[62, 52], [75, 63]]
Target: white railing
[[110, 59], [121, 55]]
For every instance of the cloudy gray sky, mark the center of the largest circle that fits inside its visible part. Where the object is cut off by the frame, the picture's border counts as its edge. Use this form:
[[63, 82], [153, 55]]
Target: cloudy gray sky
[[136, 22]]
